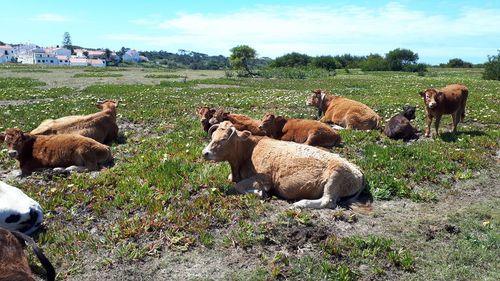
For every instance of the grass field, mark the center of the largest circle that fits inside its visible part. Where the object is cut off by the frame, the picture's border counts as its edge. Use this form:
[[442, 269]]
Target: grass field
[[162, 212]]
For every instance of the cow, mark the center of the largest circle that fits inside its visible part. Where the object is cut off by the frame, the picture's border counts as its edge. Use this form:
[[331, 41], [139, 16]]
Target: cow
[[77, 153], [342, 111], [205, 113], [399, 126], [310, 132], [240, 122], [291, 171], [448, 100], [14, 262], [100, 126], [18, 211]]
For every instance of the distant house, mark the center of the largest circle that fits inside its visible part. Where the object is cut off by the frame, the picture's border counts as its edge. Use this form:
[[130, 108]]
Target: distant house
[[75, 61], [44, 58], [6, 53], [59, 51], [97, 62], [131, 56], [63, 60]]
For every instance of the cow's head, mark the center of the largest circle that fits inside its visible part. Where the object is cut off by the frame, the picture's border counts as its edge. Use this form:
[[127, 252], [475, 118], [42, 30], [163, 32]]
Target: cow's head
[[205, 113], [267, 122], [18, 211], [409, 112], [314, 99], [16, 141], [223, 143], [219, 116], [432, 97], [107, 104]]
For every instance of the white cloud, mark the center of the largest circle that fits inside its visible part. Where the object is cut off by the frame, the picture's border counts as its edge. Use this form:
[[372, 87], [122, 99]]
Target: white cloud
[[50, 18], [275, 30]]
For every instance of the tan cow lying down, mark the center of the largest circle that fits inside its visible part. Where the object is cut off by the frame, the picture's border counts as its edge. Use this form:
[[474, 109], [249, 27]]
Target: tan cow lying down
[[289, 170], [344, 112], [13, 261], [34, 152], [205, 113], [448, 100], [310, 132], [240, 122], [100, 126]]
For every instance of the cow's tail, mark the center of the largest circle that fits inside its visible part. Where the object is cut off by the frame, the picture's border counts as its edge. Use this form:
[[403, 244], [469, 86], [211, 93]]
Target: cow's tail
[[49, 269]]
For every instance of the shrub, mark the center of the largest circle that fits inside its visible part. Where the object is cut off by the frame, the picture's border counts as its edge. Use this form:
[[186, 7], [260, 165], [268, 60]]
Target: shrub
[[374, 62], [458, 63], [326, 62], [492, 68], [291, 60], [294, 72]]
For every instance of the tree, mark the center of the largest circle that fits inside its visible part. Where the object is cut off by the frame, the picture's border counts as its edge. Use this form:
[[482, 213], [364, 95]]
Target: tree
[[398, 58], [67, 41], [242, 57], [326, 62], [107, 54], [292, 60], [492, 68], [458, 63], [374, 62]]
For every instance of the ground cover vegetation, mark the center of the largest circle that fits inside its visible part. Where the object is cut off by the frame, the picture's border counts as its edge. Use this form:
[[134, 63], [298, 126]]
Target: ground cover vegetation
[[161, 206]]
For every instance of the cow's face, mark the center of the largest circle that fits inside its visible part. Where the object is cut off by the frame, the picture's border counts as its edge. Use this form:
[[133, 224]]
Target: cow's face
[[267, 122], [222, 146], [409, 112], [205, 113], [431, 97], [218, 116], [314, 99], [107, 104], [18, 211], [15, 140]]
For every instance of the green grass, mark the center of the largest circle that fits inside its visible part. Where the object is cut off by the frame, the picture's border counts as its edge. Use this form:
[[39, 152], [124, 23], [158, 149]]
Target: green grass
[[162, 196]]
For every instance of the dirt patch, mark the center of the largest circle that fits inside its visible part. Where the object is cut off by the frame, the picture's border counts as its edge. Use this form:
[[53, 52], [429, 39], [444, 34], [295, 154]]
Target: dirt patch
[[214, 86]]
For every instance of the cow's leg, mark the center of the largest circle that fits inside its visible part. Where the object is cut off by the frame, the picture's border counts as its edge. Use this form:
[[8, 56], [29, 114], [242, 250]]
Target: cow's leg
[[253, 185], [456, 118], [329, 198], [75, 168], [428, 121], [436, 124]]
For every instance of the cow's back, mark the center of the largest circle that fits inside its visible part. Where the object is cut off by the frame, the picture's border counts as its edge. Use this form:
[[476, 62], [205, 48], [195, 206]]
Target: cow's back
[[454, 96], [298, 171], [351, 113]]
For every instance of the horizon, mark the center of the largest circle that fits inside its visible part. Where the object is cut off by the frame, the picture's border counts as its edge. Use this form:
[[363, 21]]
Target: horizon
[[437, 30]]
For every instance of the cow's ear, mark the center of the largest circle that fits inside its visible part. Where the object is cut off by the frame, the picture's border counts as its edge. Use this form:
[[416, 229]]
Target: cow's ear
[[439, 94], [245, 134], [116, 103], [212, 111], [421, 93], [2, 137]]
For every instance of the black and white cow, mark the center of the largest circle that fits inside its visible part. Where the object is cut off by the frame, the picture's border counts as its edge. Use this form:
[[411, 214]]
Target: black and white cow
[[18, 211]]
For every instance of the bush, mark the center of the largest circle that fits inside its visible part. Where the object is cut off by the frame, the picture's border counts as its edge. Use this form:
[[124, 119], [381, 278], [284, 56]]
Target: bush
[[492, 68], [421, 68], [458, 63], [291, 60], [294, 73], [374, 62], [326, 62]]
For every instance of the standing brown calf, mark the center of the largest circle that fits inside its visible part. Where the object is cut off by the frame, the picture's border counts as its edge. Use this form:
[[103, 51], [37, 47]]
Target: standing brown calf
[[309, 132], [67, 150], [448, 100], [240, 122], [13, 261], [100, 126]]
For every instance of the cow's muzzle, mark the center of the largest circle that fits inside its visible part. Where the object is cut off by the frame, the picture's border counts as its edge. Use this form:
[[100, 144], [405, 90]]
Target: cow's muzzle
[[432, 105], [12, 153]]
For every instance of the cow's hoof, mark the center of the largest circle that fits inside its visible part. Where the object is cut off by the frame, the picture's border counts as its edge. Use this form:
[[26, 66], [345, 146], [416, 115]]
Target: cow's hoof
[[58, 170]]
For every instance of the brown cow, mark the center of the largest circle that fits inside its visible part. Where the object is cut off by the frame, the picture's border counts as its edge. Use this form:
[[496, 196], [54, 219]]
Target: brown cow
[[289, 170], [205, 113], [448, 100], [240, 122], [310, 132], [399, 126], [67, 150], [13, 261], [344, 112], [100, 126]]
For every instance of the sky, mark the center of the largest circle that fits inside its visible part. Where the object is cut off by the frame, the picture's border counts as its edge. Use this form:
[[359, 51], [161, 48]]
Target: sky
[[436, 30]]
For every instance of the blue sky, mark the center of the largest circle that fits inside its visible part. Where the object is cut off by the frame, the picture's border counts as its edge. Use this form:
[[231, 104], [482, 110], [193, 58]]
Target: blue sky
[[436, 30]]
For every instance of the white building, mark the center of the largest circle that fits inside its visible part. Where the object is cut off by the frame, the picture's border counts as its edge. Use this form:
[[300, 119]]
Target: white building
[[63, 60], [6, 53], [44, 58], [131, 56], [76, 61]]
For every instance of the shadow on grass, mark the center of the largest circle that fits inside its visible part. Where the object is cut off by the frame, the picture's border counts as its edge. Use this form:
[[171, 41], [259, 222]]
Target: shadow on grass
[[452, 137]]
